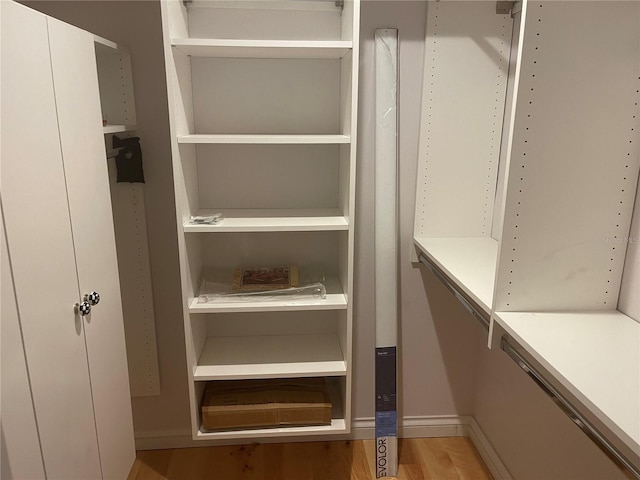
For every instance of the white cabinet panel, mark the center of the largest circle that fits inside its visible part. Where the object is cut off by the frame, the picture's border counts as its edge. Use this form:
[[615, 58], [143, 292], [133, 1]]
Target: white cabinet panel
[[21, 456], [60, 241], [39, 237], [76, 88]]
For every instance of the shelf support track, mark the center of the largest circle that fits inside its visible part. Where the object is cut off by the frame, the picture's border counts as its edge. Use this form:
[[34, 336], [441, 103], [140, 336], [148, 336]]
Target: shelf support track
[[479, 314], [504, 8], [570, 410]]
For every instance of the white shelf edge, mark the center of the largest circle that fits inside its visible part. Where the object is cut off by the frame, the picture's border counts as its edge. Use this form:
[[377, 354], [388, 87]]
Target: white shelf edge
[[333, 301], [110, 45], [477, 255], [232, 48], [322, 369], [265, 139], [270, 356], [117, 128], [337, 426], [315, 5], [271, 220]]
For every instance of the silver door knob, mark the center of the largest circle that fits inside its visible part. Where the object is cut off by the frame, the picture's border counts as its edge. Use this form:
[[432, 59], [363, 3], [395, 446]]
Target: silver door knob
[[83, 309], [93, 298]]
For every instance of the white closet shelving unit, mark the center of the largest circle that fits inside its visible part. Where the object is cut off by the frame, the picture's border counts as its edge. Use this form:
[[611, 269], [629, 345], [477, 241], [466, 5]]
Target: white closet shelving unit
[[527, 214], [461, 130], [263, 104], [117, 104], [116, 86]]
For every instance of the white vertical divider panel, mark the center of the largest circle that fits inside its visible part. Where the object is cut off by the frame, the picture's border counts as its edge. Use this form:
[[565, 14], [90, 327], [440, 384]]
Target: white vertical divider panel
[[21, 454], [38, 229], [574, 160], [629, 302], [116, 85], [350, 30], [180, 102], [464, 83], [386, 250], [510, 101], [129, 214], [79, 119]]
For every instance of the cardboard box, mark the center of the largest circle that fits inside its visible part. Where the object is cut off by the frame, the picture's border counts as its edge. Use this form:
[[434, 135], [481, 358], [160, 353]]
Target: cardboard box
[[265, 403]]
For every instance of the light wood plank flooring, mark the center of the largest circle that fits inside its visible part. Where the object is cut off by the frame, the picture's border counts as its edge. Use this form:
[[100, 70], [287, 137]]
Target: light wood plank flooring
[[452, 458]]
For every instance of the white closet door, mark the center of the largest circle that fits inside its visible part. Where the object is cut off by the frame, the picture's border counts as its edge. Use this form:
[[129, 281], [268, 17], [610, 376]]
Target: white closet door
[[21, 457], [75, 81], [34, 199]]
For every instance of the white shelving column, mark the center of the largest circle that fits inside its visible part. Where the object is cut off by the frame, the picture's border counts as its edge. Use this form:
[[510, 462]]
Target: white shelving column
[[460, 137], [569, 201], [129, 215], [536, 242], [263, 104]]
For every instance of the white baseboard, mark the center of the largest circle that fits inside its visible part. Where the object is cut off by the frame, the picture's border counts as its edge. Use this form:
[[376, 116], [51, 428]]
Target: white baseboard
[[487, 452], [362, 429], [415, 427], [163, 439]]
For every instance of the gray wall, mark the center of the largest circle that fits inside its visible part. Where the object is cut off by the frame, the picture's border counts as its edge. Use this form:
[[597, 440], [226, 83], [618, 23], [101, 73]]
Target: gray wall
[[445, 368]]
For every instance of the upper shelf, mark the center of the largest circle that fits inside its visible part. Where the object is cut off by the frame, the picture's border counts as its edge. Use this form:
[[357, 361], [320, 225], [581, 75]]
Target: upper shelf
[[469, 262], [118, 128], [264, 139], [205, 47], [270, 220], [310, 5]]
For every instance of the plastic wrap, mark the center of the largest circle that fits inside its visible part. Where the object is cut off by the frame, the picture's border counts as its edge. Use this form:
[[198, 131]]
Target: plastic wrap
[[218, 286]]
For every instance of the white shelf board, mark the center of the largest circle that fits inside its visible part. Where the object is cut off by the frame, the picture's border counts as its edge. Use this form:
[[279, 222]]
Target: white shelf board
[[594, 355], [270, 356], [107, 46], [334, 300], [337, 426], [271, 220], [118, 128], [229, 48], [264, 139], [311, 5], [469, 262]]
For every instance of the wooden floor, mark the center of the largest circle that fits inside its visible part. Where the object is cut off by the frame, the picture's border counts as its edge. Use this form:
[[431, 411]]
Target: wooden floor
[[452, 458]]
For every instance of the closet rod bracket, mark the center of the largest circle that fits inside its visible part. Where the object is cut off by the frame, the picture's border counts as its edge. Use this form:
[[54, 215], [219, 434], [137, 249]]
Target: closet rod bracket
[[502, 8]]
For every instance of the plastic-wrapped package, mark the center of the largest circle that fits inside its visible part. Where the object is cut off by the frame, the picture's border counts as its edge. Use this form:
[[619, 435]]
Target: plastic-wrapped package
[[222, 286]]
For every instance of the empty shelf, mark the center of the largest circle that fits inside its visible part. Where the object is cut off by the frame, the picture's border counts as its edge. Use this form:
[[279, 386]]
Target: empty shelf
[[268, 220], [118, 128], [277, 356], [469, 262], [264, 139], [231, 48], [593, 355]]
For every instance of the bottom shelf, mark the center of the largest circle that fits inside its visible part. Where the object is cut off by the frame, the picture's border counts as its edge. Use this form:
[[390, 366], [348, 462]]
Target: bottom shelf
[[335, 388], [338, 426], [595, 356]]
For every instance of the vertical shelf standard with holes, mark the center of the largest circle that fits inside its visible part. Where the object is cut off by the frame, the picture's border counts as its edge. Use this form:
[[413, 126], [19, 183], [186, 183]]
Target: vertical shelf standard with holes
[[263, 104], [129, 215], [461, 129], [116, 86]]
